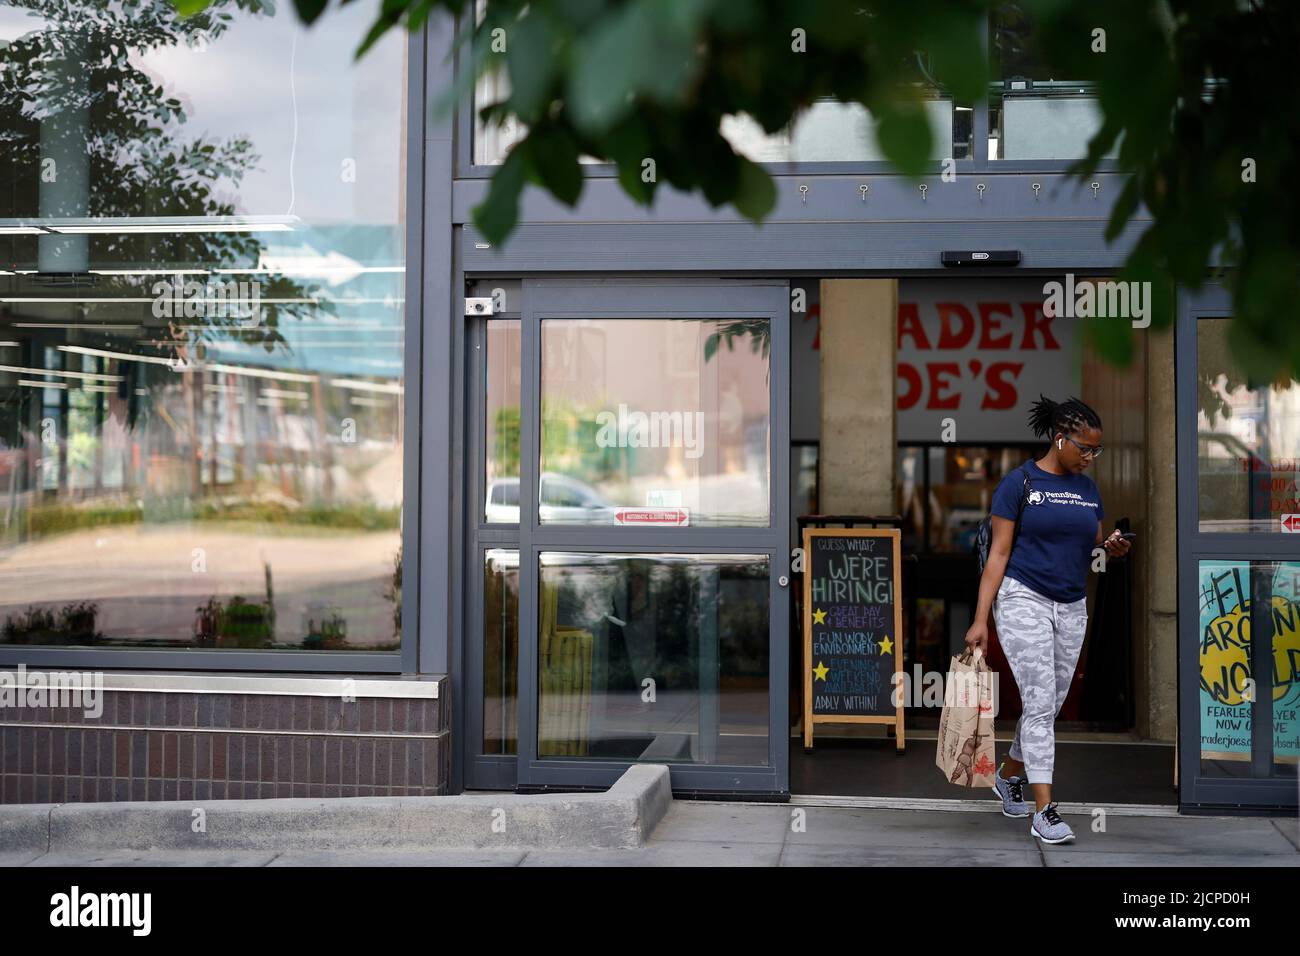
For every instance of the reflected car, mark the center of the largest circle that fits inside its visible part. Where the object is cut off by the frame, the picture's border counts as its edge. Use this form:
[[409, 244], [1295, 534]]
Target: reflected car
[[561, 500]]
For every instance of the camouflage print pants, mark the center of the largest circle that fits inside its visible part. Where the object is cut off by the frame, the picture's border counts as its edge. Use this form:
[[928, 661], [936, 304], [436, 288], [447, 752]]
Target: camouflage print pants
[[1041, 639]]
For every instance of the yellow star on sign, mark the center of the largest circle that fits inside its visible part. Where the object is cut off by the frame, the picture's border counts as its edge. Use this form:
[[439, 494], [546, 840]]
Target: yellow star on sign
[[819, 616], [820, 671], [886, 646]]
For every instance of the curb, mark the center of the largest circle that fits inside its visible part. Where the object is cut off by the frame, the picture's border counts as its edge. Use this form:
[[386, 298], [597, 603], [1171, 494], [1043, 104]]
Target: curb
[[965, 805], [621, 817]]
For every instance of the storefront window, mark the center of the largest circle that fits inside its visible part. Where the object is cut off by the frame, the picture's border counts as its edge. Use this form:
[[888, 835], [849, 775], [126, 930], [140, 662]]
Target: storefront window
[[1228, 684], [656, 657], [1248, 442], [655, 422], [201, 328], [829, 131], [826, 132], [1034, 112], [501, 498], [493, 140]]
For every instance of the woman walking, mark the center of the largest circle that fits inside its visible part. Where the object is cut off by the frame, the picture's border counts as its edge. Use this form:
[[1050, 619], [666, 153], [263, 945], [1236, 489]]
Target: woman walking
[[1034, 582]]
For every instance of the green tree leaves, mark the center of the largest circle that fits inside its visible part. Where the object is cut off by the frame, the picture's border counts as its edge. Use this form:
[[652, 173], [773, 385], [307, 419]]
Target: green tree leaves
[[1190, 90]]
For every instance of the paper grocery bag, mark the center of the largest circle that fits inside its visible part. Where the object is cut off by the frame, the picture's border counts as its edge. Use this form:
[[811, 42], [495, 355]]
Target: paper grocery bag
[[965, 748]]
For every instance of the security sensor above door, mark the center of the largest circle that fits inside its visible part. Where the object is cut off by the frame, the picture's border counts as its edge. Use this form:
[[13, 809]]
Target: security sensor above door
[[991, 257]]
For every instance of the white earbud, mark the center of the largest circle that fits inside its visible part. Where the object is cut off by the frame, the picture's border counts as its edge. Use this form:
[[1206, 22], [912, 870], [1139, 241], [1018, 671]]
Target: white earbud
[[1060, 443]]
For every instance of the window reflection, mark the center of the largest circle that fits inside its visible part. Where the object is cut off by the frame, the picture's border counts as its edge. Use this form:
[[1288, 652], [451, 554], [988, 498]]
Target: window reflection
[[645, 419], [1034, 111], [830, 131], [502, 422], [1248, 441], [201, 328], [827, 131], [500, 651], [658, 657]]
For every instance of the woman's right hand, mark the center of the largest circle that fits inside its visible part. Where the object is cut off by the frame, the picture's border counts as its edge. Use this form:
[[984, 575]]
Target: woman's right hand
[[978, 636]]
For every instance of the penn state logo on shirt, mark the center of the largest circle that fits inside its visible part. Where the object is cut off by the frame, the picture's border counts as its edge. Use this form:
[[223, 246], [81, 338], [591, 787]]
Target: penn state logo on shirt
[[1036, 498]]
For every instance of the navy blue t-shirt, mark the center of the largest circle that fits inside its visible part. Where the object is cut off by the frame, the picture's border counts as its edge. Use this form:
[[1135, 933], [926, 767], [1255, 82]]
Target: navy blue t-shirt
[[1057, 531]]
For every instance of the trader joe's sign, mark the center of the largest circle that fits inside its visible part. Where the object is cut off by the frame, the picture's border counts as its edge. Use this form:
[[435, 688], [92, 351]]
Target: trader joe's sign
[[979, 351]]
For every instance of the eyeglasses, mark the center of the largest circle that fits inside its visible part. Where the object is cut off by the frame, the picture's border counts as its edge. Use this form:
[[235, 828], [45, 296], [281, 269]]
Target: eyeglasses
[[1087, 451]]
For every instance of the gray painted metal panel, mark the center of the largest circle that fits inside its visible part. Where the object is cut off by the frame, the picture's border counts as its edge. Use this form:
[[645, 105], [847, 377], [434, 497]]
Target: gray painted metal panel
[[529, 458], [412, 346], [462, 604], [435, 397], [793, 248], [835, 198]]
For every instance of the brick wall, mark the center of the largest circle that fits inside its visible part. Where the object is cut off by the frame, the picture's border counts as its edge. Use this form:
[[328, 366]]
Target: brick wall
[[168, 745]]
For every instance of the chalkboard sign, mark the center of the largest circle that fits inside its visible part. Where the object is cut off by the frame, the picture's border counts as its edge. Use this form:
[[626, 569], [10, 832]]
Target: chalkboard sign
[[853, 625]]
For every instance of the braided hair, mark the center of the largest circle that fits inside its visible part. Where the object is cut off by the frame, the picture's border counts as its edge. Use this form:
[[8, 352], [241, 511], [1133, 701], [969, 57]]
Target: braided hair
[[1047, 417]]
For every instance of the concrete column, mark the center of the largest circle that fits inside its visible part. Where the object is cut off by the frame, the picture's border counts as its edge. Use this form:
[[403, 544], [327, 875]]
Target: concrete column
[[859, 323], [1157, 642]]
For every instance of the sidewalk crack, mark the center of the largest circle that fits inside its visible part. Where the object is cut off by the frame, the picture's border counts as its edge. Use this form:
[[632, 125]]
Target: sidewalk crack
[[1286, 836]]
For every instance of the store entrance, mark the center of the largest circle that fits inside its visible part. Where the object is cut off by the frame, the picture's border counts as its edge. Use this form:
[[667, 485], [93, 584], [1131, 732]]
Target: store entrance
[[628, 587], [969, 356]]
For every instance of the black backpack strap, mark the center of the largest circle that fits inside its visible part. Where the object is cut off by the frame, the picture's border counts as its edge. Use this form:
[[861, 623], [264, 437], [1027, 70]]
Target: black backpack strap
[[1020, 511]]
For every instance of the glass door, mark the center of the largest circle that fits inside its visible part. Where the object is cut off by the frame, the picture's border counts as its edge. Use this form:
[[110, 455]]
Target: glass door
[[633, 534], [489, 705], [1239, 577]]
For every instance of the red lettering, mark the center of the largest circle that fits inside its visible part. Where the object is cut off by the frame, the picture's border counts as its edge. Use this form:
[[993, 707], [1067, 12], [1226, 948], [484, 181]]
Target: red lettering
[[948, 338], [1034, 319], [911, 378], [991, 323], [909, 323], [1001, 378], [937, 384]]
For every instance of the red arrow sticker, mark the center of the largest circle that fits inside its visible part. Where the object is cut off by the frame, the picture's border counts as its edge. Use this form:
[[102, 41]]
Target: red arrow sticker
[[674, 517]]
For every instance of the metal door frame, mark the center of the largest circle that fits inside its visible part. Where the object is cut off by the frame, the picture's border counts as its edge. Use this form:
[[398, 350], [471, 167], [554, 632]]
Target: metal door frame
[[481, 771], [1194, 546], [612, 299]]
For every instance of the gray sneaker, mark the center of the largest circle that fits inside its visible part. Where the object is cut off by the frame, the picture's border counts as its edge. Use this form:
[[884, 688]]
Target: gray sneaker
[[1012, 792], [1049, 827]]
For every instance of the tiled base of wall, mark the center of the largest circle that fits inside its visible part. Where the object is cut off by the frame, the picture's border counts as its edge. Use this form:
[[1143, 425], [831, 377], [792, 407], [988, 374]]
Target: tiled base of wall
[[183, 746]]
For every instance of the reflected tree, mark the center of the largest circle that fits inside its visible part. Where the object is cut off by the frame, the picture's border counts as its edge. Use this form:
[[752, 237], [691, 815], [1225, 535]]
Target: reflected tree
[[758, 332], [86, 131]]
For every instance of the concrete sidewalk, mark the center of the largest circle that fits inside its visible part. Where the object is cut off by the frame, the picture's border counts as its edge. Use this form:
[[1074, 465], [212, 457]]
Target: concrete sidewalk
[[741, 834]]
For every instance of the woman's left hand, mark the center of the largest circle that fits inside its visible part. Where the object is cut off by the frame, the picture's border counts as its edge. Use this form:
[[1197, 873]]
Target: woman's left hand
[[1116, 547]]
